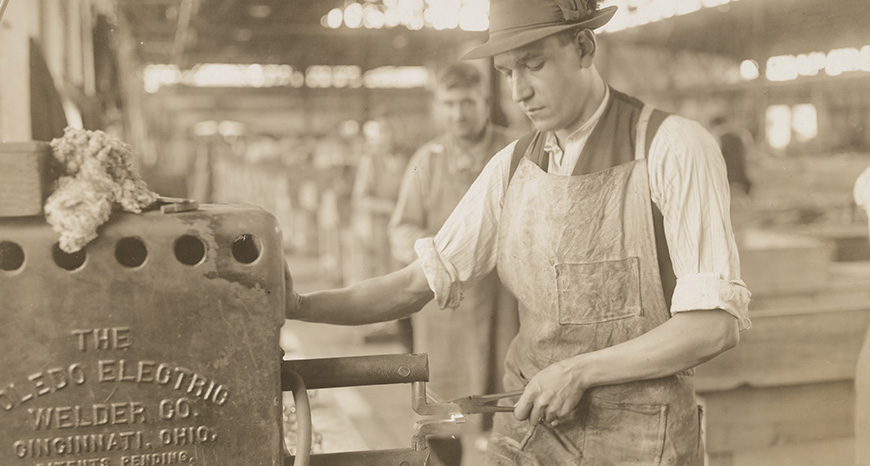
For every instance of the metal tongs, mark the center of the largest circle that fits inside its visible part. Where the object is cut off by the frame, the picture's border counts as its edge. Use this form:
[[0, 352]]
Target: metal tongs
[[475, 404]]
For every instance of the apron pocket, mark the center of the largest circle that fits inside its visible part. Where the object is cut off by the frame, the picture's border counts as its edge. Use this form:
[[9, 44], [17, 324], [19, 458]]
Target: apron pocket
[[624, 434], [503, 451], [507, 444], [595, 292]]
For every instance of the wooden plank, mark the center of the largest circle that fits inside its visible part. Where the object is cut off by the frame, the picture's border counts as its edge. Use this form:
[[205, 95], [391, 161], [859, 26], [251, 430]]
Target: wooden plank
[[24, 177], [723, 459], [862, 406], [753, 418], [15, 72], [790, 347], [832, 452]]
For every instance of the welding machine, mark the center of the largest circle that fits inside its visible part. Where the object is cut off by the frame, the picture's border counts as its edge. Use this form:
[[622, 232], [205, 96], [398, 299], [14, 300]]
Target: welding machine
[[156, 344]]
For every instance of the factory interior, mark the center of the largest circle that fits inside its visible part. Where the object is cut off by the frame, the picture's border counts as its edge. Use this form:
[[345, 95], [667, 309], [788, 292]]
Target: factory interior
[[257, 122]]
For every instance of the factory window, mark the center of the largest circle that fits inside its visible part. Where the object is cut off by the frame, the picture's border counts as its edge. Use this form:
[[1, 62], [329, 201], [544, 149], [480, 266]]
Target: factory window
[[778, 126], [633, 13], [832, 63], [131, 252], [804, 122], [749, 70], [66, 260], [246, 248], [11, 256], [189, 250], [788, 124], [468, 15]]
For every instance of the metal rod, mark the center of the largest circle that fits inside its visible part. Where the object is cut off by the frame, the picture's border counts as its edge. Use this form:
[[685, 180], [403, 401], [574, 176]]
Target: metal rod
[[181, 31], [356, 371], [399, 457], [3, 4], [426, 427], [420, 402]]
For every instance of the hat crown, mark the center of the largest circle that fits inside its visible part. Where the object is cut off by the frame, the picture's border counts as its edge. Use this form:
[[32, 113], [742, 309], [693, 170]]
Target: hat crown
[[513, 15], [515, 23]]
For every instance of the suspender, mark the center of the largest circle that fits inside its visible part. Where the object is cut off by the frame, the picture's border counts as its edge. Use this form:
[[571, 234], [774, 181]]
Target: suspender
[[519, 151], [647, 125]]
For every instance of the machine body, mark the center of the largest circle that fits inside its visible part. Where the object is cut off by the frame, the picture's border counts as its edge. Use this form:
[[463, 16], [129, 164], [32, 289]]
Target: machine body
[[156, 344]]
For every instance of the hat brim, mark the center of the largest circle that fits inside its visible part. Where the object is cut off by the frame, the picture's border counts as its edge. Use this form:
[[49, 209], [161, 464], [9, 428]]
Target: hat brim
[[513, 40]]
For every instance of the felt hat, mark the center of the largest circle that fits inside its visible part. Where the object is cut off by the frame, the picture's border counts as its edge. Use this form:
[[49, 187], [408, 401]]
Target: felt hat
[[515, 23]]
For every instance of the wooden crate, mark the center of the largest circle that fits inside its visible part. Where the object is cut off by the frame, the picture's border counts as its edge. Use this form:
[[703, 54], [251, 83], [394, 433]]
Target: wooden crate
[[25, 177], [787, 394]]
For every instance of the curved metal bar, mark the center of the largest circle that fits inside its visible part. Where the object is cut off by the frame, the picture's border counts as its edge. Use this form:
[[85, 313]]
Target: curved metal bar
[[3, 4], [303, 419]]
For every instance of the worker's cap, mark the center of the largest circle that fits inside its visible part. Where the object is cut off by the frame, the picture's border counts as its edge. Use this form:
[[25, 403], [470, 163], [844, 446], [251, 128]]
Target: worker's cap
[[515, 23]]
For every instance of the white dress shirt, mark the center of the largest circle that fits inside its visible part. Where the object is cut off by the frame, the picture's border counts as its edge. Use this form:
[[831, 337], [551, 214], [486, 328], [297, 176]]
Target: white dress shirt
[[688, 183]]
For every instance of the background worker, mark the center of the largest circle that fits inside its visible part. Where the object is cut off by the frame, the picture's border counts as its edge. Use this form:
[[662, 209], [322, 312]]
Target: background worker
[[465, 347], [610, 328], [373, 199], [861, 191], [735, 142]]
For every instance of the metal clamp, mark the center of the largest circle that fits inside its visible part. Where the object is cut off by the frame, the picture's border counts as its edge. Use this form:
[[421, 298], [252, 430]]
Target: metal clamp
[[441, 417]]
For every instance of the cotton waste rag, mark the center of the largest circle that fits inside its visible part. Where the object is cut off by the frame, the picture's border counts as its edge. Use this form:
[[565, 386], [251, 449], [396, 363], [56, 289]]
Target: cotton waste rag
[[96, 178]]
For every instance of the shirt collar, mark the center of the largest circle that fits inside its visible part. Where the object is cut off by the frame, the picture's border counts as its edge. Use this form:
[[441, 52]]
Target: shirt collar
[[479, 146], [551, 144]]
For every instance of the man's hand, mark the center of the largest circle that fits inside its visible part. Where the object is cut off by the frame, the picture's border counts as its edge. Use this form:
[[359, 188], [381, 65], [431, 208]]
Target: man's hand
[[682, 342], [552, 394]]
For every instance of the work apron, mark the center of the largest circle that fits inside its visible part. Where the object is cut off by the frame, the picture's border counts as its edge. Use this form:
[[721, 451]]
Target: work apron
[[579, 254], [466, 345]]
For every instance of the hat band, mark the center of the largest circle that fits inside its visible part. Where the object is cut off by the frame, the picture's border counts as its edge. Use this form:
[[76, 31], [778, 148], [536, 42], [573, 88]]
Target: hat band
[[524, 27]]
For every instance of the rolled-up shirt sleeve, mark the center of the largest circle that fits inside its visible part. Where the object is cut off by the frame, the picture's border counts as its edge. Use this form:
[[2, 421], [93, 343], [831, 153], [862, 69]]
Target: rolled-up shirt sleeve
[[689, 184], [464, 249]]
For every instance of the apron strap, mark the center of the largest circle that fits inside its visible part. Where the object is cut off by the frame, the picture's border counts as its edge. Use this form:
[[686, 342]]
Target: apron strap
[[520, 151], [647, 125], [640, 146]]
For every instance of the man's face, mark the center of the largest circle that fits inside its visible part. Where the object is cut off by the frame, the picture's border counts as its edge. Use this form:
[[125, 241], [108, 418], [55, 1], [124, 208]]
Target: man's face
[[463, 111], [548, 81]]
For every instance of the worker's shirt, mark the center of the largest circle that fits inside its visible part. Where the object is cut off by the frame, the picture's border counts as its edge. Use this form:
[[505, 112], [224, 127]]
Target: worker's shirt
[[688, 183], [435, 180]]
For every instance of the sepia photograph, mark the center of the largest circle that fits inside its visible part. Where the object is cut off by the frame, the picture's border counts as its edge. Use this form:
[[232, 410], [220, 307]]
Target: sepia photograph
[[434, 232]]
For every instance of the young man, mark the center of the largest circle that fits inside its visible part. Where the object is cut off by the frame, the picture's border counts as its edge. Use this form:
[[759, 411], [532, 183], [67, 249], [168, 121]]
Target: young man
[[465, 347], [611, 229]]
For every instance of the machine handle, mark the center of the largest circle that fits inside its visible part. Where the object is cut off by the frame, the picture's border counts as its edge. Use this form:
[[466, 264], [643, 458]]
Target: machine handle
[[356, 371], [303, 418], [397, 457]]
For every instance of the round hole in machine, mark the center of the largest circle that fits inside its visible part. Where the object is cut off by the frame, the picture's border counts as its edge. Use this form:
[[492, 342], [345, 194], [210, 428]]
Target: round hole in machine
[[246, 248], [11, 256], [131, 252], [68, 260], [189, 250]]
